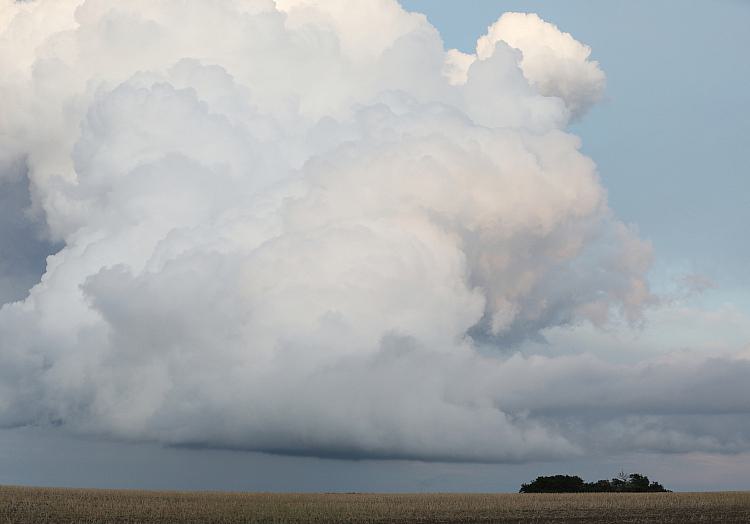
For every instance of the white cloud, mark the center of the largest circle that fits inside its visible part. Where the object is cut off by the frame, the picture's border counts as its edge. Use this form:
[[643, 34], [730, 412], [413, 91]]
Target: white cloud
[[285, 229], [553, 62]]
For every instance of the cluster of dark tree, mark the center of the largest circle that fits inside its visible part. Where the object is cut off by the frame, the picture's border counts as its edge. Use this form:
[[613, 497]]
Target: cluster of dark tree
[[633, 483]]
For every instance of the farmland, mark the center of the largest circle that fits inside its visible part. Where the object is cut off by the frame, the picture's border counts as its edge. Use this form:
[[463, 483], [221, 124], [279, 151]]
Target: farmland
[[52, 505]]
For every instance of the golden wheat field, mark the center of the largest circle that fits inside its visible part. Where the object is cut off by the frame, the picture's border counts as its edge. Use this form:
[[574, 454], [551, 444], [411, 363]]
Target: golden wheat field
[[52, 505]]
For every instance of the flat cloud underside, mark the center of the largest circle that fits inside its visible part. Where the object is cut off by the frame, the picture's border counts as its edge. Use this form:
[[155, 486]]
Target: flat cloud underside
[[306, 229]]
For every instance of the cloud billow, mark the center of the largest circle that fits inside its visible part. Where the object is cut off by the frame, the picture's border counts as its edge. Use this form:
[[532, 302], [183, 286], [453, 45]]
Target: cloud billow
[[302, 228]]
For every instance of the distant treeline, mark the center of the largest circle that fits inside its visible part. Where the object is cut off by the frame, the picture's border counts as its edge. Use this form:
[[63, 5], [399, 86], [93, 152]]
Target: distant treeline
[[633, 483]]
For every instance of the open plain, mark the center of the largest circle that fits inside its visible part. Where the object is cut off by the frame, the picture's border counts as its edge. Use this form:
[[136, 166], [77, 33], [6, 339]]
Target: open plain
[[62, 506]]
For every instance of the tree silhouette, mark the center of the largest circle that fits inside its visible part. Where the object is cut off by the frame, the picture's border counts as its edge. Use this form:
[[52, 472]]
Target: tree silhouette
[[622, 483], [554, 484]]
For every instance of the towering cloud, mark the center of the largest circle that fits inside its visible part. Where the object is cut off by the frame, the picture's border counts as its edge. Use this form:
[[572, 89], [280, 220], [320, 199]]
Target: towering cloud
[[553, 62], [304, 227]]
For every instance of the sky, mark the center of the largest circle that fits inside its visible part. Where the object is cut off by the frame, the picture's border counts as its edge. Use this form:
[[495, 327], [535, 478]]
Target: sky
[[301, 247]]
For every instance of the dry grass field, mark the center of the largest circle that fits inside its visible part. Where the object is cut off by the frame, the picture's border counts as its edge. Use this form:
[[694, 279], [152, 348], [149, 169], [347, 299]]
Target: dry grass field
[[47, 505]]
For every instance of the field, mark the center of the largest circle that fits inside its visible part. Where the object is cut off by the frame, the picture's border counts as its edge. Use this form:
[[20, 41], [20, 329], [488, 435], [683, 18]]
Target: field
[[49, 505]]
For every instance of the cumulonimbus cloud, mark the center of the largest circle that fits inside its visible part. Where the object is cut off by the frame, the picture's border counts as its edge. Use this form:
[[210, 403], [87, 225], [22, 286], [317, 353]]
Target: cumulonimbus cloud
[[303, 227]]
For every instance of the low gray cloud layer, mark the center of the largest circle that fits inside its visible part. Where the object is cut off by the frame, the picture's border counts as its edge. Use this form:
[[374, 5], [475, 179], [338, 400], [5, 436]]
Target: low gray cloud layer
[[305, 229]]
